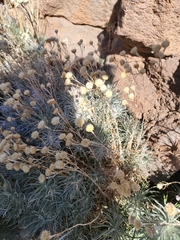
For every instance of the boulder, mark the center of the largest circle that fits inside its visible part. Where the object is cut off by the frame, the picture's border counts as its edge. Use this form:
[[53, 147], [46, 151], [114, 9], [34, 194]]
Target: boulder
[[144, 23], [83, 12]]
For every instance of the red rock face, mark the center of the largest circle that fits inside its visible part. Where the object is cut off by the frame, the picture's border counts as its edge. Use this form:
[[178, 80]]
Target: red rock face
[[148, 22]]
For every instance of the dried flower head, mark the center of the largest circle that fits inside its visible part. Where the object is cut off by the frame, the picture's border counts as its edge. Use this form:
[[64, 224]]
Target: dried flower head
[[79, 122], [59, 164], [55, 121], [134, 51], [83, 90], [35, 135], [89, 85], [133, 88], [69, 136], [165, 44], [68, 142], [32, 103], [85, 142], [119, 174], [137, 224], [68, 75], [131, 96], [160, 185], [113, 185], [131, 219], [135, 187], [41, 124], [51, 101], [89, 128], [108, 93], [123, 74], [67, 82], [44, 150], [62, 136], [25, 168], [48, 172], [124, 102], [150, 231], [27, 93], [171, 210], [41, 178], [21, 75], [45, 235], [126, 89], [122, 53], [103, 88]]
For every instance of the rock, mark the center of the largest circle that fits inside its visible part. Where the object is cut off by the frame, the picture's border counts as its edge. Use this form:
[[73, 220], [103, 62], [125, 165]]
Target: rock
[[82, 12], [144, 23]]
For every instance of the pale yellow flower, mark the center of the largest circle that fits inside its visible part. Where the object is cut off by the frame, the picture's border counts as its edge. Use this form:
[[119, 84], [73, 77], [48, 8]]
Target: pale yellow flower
[[68, 75], [105, 77], [133, 88], [83, 90], [123, 74], [170, 209], [126, 89], [67, 81], [131, 96], [89, 85], [103, 88], [99, 82], [89, 128], [124, 102], [108, 93]]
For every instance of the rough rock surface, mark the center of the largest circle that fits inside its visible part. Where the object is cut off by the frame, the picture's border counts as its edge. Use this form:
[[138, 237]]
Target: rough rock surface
[[144, 23], [83, 12]]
